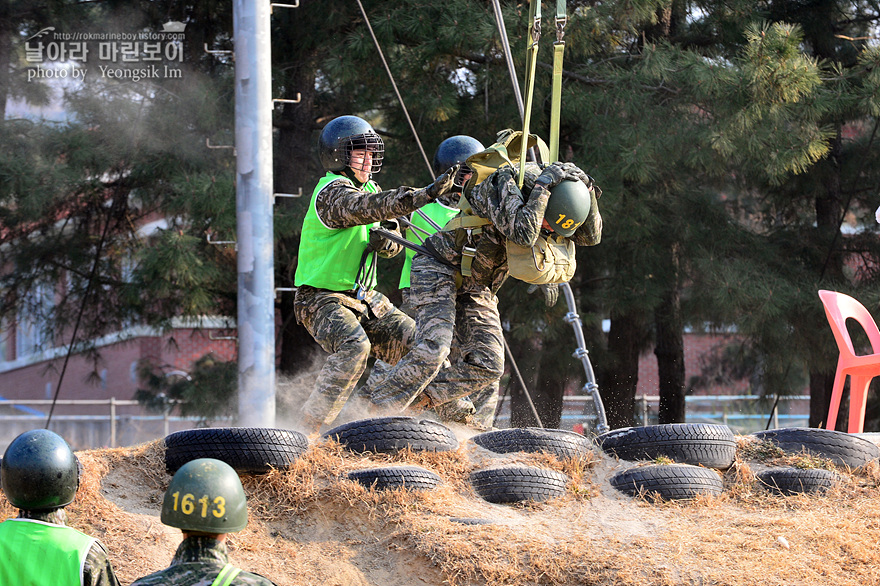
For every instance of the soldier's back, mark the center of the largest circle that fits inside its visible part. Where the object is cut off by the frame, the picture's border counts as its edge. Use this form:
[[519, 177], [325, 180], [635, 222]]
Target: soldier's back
[[198, 574]]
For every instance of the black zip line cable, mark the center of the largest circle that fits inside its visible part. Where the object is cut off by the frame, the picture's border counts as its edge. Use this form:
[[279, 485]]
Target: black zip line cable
[[89, 286], [394, 85]]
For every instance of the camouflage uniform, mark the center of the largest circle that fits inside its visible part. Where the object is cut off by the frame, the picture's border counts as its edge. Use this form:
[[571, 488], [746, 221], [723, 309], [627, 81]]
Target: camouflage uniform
[[197, 562], [97, 570], [470, 311], [462, 410], [348, 328]]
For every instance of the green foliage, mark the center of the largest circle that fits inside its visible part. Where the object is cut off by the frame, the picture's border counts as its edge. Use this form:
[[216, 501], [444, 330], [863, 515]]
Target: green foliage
[[209, 391], [739, 134]]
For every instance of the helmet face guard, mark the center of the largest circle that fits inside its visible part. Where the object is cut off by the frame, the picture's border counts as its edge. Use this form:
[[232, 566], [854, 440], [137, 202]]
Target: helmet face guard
[[464, 173], [368, 142], [344, 135]]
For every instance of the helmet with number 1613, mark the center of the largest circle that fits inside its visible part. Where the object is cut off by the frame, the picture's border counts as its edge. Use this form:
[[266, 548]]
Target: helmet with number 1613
[[205, 495]]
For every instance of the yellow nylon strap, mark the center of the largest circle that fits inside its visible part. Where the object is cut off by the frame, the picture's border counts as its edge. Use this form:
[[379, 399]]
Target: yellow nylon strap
[[531, 62], [467, 259], [556, 102], [465, 221]]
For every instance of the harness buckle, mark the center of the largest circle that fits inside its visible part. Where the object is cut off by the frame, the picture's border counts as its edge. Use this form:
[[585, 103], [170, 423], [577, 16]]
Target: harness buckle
[[560, 28], [467, 258]]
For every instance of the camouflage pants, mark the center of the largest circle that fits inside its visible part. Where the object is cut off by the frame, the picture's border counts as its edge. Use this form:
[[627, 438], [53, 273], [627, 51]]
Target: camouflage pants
[[443, 314], [350, 331]]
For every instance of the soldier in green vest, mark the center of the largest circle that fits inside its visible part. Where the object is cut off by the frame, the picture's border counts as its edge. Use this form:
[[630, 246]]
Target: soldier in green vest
[[40, 476], [206, 501], [336, 268], [455, 302]]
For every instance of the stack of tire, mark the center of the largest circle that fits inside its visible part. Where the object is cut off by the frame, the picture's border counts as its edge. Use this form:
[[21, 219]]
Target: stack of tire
[[842, 449], [390, 435], [512, 484], [697, 451]]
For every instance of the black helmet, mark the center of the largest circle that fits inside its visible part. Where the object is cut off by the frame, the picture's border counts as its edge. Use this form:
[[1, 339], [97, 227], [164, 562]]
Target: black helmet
[[205, 495], [39, 471], [345, 134], [456, 149], [568, 206]]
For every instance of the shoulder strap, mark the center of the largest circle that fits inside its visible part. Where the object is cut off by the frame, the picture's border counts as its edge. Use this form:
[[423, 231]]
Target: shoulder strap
[[464, 220], [531, 61], [556, 100], [226, 575]]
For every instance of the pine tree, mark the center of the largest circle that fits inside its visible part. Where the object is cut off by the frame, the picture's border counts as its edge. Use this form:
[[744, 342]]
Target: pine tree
[[728, 156]]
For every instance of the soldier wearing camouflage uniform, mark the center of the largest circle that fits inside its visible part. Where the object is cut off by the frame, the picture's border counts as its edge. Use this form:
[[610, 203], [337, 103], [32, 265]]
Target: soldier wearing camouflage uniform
[[40, 476], [206, 501], [478, 410], [469, 311], [336, 275]]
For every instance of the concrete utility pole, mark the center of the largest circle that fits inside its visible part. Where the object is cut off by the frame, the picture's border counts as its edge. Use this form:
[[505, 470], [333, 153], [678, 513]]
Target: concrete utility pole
[[254, 213]]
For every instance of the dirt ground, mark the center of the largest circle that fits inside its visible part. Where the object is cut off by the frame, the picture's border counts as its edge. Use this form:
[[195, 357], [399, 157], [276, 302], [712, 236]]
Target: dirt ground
[[310, 525]]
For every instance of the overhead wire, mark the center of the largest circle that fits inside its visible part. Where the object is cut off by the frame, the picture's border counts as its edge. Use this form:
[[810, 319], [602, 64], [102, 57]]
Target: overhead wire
[[394, 85]]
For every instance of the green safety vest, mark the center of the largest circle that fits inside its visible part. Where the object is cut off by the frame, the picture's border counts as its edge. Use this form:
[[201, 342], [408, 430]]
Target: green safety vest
[[226, 575], [437, 212], [36, 553], [329, 258]]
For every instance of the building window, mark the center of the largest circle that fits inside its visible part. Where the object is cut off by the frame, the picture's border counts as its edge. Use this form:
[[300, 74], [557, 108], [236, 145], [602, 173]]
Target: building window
[[30, 334], [5, 346]]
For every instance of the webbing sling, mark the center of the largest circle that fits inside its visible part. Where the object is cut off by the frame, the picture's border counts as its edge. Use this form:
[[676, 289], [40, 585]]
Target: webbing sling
[[396, 238], [473, 226], [226, 575], [556, 100], [531, 62]]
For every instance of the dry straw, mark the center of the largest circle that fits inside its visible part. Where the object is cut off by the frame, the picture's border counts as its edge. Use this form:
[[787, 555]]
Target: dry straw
[[311, 525]]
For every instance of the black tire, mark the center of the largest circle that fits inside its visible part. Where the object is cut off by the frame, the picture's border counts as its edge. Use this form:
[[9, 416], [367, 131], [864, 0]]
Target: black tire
[[700, 444], [843, 449], [669, 482], [392, 434], [560, 443], [406, 477], [252, 450], [514, 484], [789, 481]]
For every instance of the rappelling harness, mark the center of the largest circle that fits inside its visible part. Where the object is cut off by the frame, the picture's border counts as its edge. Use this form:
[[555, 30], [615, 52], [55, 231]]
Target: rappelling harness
[[497, 156]]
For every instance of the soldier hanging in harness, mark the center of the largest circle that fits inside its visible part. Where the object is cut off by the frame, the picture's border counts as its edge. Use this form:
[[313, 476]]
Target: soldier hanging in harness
[[453, 286]]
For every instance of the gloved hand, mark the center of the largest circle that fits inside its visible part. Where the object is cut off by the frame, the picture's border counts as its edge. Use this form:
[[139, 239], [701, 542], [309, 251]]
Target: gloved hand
[[552, 175], [550, 291], [378, 242], [575, 173], [444, 183]]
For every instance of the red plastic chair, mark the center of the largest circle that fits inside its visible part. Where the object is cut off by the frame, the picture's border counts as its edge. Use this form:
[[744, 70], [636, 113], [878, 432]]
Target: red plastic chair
[[861, 369]]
